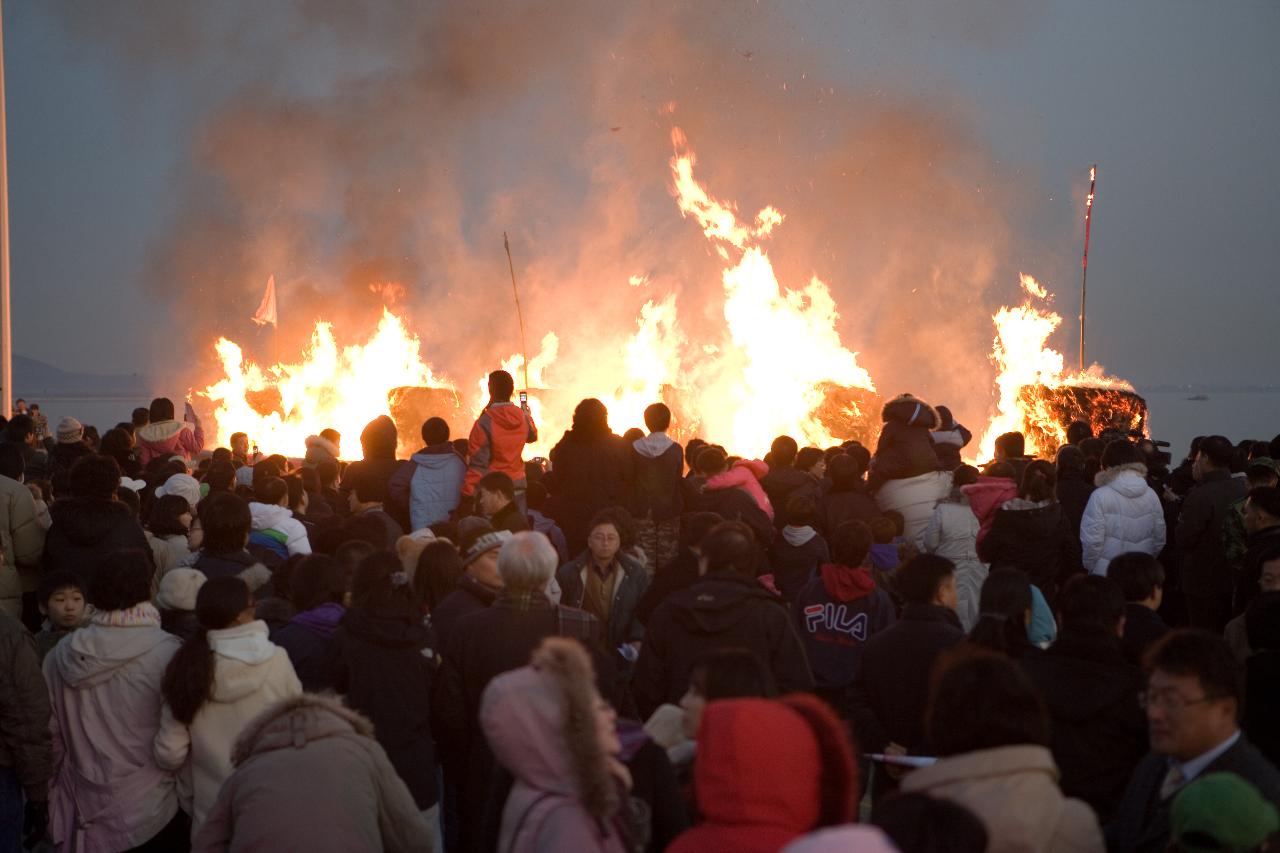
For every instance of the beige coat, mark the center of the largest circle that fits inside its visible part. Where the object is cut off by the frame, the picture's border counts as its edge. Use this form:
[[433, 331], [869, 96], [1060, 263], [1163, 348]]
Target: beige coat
[[309, 776], [251, 674], [1014, 791], [23, 540], [169, 552]]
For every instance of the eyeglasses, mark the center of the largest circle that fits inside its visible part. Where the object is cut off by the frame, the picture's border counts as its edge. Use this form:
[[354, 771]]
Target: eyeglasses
[[1170, 700]]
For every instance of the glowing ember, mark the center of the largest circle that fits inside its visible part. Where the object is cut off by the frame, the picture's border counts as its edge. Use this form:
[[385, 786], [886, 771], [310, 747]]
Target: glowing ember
[[1034, 394]]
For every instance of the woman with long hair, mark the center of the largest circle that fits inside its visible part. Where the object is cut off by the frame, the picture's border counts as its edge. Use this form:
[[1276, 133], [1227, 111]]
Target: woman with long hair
[[1032, 534], [168, 528], [1004, 613], [220, 680]]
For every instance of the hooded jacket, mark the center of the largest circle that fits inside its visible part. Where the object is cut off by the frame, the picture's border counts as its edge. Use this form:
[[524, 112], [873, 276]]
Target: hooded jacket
[[721, 610], [85, 531], [497, 443], [985, 499], [795, 557], [657, 466], [949, 438], [836, 613], [384, 667], [319, 449], [588, 474], [169, 552], [22, 537], [309, 641], [746, 747], [1123, 514], [435, 484], [278, 523], [564, 796], [308, 757], [953, 533], [1014, 791], [108, 793], [746, 475], [1036, 539], [169, 438], [905, 448], [250, 675], [1099, 731]]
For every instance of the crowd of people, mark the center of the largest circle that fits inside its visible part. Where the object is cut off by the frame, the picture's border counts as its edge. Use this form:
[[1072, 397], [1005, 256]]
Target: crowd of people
[[636, 645]]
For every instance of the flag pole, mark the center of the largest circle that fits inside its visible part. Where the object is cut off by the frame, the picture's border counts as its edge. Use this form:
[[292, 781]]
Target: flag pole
[[524, 349], [6, 324], [1084, 261]]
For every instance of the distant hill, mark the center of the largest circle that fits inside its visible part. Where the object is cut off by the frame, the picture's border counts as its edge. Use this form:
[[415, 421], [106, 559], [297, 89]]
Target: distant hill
[[34, 380]]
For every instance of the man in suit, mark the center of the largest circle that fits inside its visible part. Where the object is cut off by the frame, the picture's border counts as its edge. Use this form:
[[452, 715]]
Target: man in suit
[[1193, 703]]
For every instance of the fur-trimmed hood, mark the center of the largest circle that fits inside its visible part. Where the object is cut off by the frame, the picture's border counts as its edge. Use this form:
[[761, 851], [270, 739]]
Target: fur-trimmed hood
[[910, 411], [540, 721], [296, 722], [321, 443], [1111, 476]]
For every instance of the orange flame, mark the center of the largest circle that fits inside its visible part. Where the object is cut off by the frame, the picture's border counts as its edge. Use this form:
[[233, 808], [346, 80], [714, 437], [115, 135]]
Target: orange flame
[[1024, 360]]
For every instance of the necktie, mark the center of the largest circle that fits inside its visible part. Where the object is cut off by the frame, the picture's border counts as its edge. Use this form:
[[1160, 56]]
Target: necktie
[[1172, 782]]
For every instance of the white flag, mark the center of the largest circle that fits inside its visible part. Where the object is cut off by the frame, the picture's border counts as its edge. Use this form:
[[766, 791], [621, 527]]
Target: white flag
[[267, 310]]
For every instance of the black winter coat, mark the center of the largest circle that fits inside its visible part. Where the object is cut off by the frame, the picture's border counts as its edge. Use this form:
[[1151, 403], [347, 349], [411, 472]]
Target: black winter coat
[[384, 668], [794, 565], [656, 491], [482, 646], [721, 610], [1142, 627], [1142, 822], [469, 596], [905, 448], [1098, 731], [312, 654], [1262, 703], [680, 573], [781, 484], [840, 507], [63, 456], [737, 505], [1037, 542], [588, 474], [1073, 496], [1205, 571], [891, 687], [85, 531], [509, 518], [224, 565]]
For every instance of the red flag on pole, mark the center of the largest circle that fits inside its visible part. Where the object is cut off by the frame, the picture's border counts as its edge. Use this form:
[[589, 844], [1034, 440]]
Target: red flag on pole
[[266, 314]]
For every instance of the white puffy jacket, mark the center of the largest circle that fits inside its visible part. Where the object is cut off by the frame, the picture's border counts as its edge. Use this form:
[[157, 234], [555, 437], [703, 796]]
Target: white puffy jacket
[[1123, 514], [280, 519]]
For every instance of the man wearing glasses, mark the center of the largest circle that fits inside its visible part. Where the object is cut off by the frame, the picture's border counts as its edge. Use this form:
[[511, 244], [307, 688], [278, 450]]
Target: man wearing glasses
[[1192, 703]]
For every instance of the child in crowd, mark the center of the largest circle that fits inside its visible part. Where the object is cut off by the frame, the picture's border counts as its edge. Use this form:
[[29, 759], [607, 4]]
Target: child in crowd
[[887, 541], [62, 603]]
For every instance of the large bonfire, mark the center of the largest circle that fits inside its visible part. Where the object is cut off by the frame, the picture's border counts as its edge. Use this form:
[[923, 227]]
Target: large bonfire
[[778, 366]]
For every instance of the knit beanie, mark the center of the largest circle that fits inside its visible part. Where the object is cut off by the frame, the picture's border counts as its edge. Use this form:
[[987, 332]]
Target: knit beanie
[[179, 588], [70, 431], [490, 541]]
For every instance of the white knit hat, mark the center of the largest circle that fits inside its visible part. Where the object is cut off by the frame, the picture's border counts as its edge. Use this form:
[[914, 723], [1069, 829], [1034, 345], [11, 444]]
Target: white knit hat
[[179, 588]]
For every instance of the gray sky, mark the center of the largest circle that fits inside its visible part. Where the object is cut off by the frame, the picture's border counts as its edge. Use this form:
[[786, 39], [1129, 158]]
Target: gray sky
[[1179, 103]]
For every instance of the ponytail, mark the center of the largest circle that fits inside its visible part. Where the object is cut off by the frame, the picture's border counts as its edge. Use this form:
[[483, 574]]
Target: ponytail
[[188, 680]]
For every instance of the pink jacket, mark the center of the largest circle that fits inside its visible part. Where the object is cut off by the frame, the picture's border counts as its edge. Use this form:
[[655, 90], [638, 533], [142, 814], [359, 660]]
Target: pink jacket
[[746, 475], [985, 498], [170, 438], [104, 685]]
